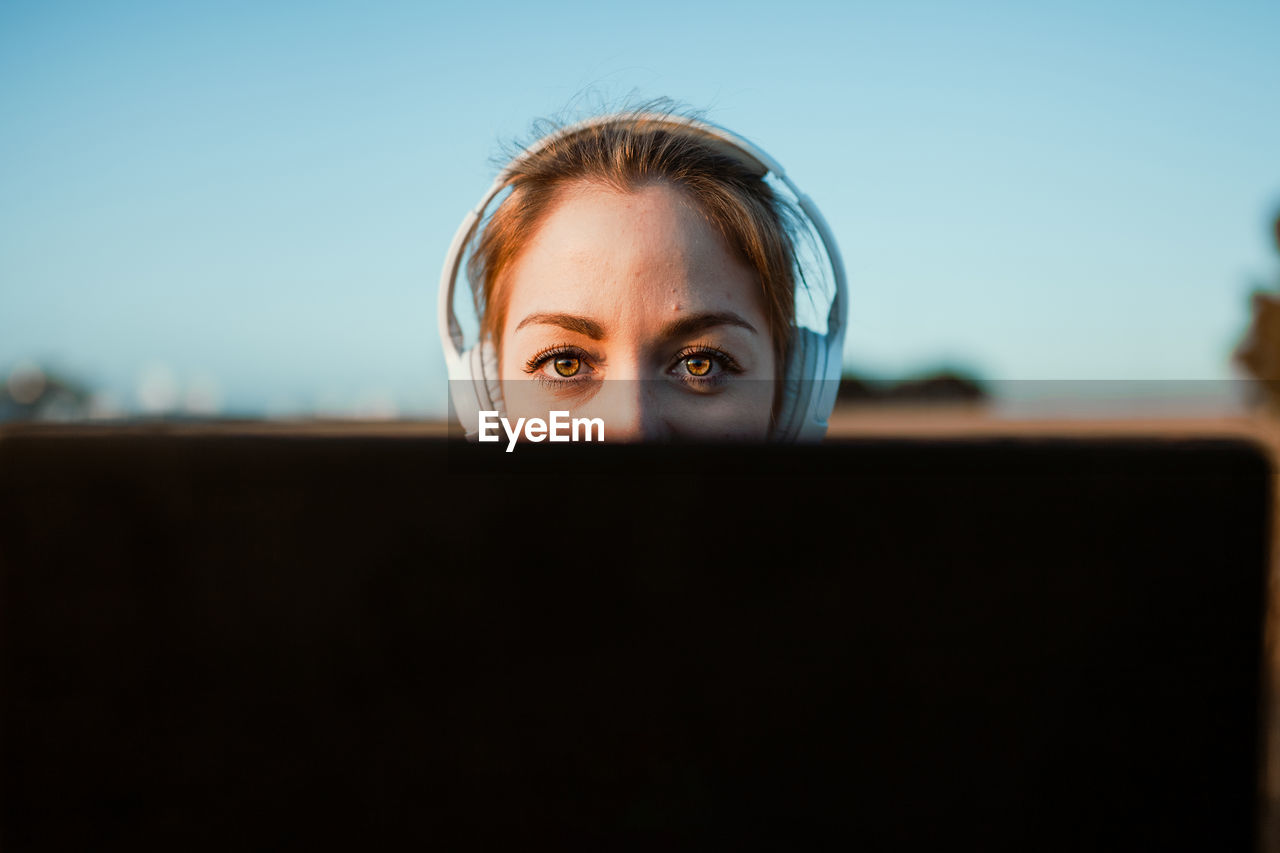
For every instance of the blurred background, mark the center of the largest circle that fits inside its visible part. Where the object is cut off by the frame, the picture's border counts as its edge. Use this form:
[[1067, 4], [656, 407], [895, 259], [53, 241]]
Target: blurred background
[[239, 210]]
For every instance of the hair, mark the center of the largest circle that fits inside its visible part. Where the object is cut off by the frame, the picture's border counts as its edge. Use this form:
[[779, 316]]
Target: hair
[[627, 155]]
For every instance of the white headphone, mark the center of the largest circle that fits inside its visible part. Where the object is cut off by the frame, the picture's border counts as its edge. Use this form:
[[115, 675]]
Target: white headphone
[[812, 374]]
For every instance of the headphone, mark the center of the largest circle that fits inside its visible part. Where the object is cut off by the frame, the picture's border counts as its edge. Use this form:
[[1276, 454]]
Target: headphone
[[814, 360]]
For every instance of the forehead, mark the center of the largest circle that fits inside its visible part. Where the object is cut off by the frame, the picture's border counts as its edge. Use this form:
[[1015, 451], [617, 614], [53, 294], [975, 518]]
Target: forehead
[[629, 257]]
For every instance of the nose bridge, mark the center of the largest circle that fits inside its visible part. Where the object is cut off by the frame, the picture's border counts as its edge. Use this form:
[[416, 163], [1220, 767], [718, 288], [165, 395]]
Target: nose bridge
[[631, 410]]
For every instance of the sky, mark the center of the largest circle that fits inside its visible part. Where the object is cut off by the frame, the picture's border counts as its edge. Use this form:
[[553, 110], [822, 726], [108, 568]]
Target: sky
[[247, 204]]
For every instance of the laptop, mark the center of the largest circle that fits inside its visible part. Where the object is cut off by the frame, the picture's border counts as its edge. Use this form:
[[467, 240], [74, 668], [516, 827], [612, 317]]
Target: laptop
[[214, 639]]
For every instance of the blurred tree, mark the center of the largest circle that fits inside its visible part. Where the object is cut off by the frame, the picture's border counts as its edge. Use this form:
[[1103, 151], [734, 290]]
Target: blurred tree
[[940, 386], [1259, 351], [29, 392]]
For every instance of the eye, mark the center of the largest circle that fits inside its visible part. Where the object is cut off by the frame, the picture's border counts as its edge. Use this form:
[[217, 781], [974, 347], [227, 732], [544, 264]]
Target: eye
[[703, 367], [559, 365]]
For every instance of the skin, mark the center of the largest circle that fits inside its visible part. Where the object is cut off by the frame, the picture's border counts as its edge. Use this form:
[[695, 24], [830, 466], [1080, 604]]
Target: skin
[[639, 287]]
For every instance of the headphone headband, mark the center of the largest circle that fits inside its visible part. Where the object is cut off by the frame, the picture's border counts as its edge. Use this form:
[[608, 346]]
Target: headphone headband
[[805, 417]]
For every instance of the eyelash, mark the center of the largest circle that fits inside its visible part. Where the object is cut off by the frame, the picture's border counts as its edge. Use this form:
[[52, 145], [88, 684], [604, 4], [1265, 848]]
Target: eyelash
[[728, 364]]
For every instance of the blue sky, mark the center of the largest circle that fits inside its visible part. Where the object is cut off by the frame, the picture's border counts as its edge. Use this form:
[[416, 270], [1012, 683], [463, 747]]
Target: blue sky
[[257, 197]]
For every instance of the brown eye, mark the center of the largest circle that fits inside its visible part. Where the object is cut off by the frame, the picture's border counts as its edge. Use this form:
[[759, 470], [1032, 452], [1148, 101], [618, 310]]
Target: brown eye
[[698, 365], [567, 365]]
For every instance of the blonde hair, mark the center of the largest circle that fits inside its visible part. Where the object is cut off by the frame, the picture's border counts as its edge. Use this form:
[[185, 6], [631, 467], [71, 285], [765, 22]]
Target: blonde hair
[[628, 154]]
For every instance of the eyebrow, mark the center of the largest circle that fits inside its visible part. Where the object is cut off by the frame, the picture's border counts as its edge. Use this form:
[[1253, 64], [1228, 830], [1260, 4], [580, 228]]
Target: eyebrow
[[683, 327], [581, 325], [697, 322]]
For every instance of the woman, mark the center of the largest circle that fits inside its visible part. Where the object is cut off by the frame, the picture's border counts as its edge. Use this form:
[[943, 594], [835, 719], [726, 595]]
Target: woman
[[641, 271]]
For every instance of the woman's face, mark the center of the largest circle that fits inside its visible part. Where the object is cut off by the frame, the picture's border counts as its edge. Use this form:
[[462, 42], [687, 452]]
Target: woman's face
[[630, 307]]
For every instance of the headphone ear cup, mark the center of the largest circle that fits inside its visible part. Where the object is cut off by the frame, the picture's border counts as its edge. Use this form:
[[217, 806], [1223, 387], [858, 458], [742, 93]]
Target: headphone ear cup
[[474, 386], [808, 393], [825, 383], [795, 392], [488, 378]]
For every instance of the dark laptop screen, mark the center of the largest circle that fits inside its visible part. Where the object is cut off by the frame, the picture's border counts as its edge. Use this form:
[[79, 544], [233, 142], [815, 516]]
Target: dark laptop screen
[[213, 641]]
